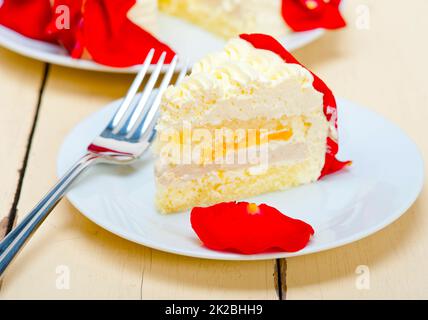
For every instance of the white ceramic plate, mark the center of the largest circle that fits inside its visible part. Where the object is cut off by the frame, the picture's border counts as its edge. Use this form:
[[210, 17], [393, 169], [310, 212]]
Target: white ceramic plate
[[189, 41], [385, 179]]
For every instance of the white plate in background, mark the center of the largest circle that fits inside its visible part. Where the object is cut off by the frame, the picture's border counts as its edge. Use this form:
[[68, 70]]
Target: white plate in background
[[187, 40]]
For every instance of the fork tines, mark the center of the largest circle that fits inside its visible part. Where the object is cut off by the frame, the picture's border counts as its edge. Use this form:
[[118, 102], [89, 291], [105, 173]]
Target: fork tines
[[137, 116]]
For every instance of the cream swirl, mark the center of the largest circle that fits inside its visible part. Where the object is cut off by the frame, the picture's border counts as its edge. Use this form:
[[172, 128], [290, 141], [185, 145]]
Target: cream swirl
[[240, 82], [239, 65]]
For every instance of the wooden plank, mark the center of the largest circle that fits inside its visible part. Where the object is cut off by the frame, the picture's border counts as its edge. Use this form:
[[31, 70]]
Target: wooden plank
[[19, 90], [97, 263], [384, 68], [168, 276]]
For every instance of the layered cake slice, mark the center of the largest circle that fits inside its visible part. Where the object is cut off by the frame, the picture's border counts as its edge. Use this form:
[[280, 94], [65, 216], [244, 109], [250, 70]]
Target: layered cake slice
[[246, 121], [229, 18]]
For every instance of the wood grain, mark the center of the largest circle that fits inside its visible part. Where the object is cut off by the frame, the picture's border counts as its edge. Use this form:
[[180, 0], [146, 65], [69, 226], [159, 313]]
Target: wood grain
[[384, 68], [99, 264], [19, 90]]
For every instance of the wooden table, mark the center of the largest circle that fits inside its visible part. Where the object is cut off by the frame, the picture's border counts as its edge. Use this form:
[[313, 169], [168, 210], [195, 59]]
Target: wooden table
[[380, 62]]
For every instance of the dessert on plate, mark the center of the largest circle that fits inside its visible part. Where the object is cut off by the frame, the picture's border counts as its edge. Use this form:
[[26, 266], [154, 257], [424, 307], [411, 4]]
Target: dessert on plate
[[229, 18], [247, 120], [120, 33]]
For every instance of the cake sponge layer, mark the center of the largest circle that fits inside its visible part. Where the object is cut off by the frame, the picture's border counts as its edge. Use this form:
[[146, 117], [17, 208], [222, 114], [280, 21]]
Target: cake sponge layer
[[219, 186]]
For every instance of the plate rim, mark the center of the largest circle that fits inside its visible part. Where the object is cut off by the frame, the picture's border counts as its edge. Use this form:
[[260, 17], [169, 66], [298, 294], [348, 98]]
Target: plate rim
[[89, 65], [226, 256]]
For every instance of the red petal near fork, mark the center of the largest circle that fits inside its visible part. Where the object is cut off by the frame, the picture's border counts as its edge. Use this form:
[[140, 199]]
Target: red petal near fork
[[249, 229], [97, 149], [266, 42], [303, 15], [28, 17], [112, 39]]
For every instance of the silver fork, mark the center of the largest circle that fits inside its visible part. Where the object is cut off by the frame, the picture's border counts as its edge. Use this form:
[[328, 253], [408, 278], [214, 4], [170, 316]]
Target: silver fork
[[127, 136]]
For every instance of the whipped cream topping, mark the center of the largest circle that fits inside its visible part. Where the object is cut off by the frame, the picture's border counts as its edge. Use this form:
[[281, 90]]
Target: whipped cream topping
[[239, 65], [222, 85]]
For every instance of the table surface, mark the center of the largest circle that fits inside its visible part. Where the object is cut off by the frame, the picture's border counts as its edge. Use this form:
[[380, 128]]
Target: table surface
[[379, 60]]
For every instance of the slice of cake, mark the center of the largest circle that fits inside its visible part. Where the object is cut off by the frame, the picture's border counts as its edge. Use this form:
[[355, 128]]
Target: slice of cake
[[144, 13], [246, 121], [229, 18]]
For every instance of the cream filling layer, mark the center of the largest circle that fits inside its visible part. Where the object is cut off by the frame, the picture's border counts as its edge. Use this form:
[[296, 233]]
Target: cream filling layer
[[278, 154], [269, 103], [306, 143]]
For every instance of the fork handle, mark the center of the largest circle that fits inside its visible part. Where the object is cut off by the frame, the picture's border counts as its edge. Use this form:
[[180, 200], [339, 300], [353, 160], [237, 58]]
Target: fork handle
[[17, 238]]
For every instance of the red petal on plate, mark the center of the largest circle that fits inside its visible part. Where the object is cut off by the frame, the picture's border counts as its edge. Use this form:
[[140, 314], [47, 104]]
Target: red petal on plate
[[249, 229], [28, 17], [331, 164], [112, 39], [303, 15], [266, 42], [66, 25]]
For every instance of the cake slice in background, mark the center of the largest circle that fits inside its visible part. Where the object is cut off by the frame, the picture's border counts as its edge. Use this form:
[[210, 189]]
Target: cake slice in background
[[144, 13], [229, 18], [254, 86]]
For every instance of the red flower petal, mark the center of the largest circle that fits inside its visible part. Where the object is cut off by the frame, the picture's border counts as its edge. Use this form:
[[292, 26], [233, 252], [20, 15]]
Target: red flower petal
[[303, 15], [103, 29], [112, 39], [68, 33], [266, 42], [332, 165], [249, 229], [28, 17]]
